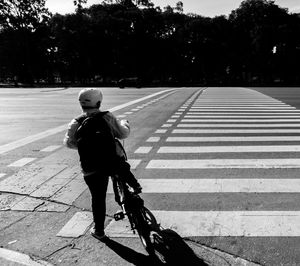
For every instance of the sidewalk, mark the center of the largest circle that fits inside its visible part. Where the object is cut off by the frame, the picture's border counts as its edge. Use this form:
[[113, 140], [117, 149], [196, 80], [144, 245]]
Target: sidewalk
[[210, 256], [13, 258]]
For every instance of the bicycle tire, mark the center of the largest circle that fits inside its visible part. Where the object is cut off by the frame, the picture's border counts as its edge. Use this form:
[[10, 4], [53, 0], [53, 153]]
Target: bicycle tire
[[143, 228], [150, 218]]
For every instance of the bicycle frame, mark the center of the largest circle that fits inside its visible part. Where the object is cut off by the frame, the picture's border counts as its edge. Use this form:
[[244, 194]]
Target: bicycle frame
[[128, 200]]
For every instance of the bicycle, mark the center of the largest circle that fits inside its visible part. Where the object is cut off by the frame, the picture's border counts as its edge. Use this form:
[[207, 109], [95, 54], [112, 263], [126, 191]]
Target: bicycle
[[140, 218]]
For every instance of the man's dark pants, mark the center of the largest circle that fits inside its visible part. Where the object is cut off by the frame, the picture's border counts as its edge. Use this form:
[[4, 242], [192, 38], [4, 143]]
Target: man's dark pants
[[97, 184]]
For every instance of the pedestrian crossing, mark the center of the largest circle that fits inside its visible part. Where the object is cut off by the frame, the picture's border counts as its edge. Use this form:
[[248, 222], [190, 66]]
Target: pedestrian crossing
[[215, 129], [219, 128]]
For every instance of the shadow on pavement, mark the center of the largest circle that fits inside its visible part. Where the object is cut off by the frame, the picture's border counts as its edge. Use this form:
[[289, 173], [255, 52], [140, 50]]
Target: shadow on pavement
[[174, 251], [130, 255], [169, 247]]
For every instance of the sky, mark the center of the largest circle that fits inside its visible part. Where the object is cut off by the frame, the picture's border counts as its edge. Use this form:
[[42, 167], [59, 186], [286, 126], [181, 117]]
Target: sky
[[207, 8]]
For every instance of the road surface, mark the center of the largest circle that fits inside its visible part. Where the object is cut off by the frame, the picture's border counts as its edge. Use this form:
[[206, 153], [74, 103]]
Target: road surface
[[220, 166]]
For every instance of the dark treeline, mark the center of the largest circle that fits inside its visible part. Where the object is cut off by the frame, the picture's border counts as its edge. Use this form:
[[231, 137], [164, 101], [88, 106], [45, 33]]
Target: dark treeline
[[257, 44]]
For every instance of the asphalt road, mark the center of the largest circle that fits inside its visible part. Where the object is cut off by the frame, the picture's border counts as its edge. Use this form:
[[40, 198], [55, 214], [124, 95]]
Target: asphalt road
[[220, 166]]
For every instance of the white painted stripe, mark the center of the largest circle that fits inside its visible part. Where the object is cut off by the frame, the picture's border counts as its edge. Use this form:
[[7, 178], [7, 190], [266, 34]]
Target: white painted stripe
[[171, 120], [175, 116], [22, 142], [246, 107], [214, 149], [134, 163], [51, 148], [220, 185], [143, 150], [224, 164], [215, 98], [166, 125], [242, 116], [135, 109], [128, 113], [244, 110], [21, 162], [235, 139], [77, 225], [238, 125], [232, 223], [121, 116], [242, 101], [239, 103], [2, 174], [243, 113], [161, 131], [138, 100], [220, 223], [229, 131], [153, 139], [242, 120]]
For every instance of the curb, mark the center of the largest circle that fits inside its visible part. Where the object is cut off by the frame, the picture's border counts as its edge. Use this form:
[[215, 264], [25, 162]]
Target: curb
[[14, 258], [215, 257]]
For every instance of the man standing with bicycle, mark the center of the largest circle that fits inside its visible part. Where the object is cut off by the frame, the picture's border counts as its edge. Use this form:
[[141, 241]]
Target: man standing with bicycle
[[93, 134]]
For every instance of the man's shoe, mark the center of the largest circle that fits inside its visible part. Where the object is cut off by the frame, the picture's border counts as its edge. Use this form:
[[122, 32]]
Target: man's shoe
[[100, 235]]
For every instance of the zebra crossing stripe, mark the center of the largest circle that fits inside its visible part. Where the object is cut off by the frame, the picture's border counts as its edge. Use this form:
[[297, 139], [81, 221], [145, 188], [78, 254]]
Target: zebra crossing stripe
[[143, 150], [235, 139], [246, 107], [240, 120], [237, 125], [239, 102], [280, 105], [240, 116], [232, 223], [51, 148], [134, 163], [229, 131], [242, 113], [215, 185], [220, 223], [224, 164], [160, 131], [153, 139], [21, 162], [77, 225], [199, 110], [220, 149]]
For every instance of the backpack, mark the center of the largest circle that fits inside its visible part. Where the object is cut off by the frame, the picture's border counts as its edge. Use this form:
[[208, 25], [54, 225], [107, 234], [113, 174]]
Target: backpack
[[96, 144]]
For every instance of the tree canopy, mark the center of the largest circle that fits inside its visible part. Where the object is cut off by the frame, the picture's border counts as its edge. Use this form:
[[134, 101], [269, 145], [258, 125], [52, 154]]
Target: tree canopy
[[258, 43]]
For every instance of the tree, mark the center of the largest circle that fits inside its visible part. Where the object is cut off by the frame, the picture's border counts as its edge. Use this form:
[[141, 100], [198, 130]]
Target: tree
[[79, 4], [256, 25], [179, 7], [26, 14], [23, 31]]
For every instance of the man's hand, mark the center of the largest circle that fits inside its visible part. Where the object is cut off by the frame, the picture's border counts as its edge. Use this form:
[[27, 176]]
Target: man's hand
[[125, 123]]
